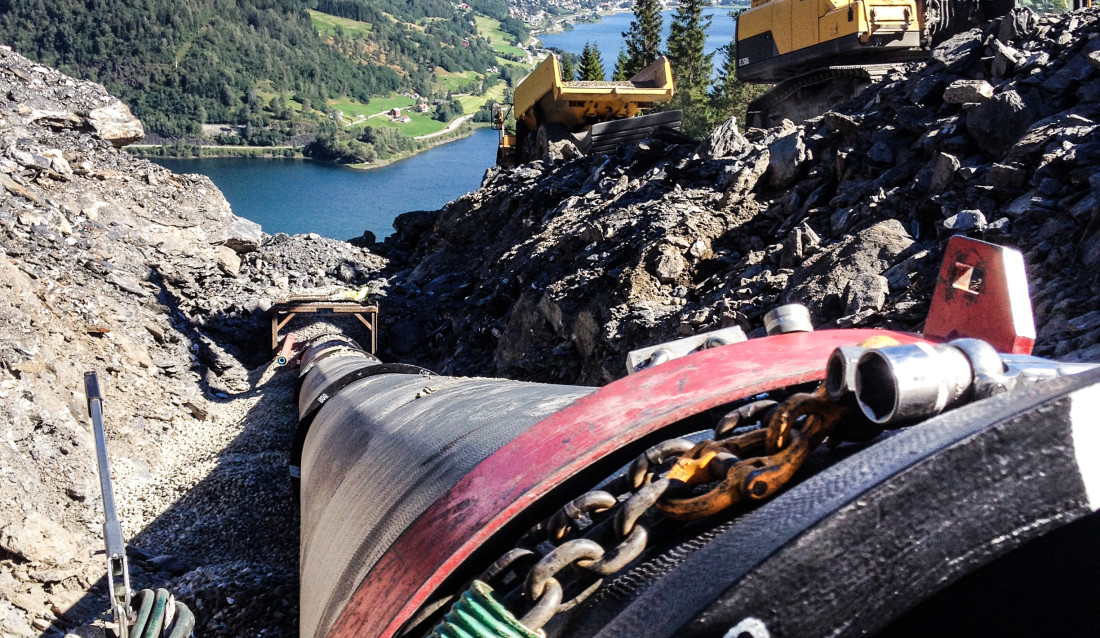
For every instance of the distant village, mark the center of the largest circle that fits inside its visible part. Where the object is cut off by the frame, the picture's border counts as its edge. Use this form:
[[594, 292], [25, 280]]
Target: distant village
[[541, 14]]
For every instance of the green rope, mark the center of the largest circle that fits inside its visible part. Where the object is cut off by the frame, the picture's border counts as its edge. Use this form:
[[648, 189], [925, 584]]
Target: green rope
[[145, 606], [478, 615], [156, 619], [185, 622], [153, 621]]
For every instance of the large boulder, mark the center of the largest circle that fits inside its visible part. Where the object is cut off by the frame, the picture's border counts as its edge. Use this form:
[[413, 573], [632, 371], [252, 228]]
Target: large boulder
[[824, 278], [997, 123], [725, 141], [115, 123], [244, 236], [786, 156]]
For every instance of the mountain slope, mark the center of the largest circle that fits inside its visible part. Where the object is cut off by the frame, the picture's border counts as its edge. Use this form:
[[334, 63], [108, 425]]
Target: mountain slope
[[181, 63]]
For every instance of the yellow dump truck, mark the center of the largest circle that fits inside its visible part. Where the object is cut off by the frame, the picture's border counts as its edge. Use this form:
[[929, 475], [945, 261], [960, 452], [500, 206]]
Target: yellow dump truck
[[595, 116]]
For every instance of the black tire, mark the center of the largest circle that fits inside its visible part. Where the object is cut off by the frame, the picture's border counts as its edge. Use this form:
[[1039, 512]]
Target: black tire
[[526, 143]]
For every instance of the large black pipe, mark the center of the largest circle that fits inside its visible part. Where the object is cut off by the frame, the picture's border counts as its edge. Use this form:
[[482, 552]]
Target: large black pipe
[[386, 442]]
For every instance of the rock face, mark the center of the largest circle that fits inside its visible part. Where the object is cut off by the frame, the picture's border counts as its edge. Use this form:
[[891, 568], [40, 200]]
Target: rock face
[[115, 124], [553, 271], [114, 264], [49, 98]]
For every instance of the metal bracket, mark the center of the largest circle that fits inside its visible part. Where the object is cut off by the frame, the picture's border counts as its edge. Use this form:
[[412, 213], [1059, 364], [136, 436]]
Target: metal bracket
[[118, 569], [282, 312], [645, 358], [982, 293]]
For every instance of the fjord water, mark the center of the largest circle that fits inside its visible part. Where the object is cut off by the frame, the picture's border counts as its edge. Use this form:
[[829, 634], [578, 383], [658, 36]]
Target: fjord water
[[302, 196], [607, 35]]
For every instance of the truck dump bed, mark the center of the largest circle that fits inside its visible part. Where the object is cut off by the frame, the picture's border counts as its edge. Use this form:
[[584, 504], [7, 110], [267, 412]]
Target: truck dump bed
[[544, 97]]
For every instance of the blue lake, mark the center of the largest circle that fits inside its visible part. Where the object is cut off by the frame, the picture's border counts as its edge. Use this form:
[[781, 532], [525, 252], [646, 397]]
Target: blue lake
[[302, 196], [607, 34]]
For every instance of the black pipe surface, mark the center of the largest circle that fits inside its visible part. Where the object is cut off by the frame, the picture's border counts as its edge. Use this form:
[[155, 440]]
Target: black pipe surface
[[383, 448]]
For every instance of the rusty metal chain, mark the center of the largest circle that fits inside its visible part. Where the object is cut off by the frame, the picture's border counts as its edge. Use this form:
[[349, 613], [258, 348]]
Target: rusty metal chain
[[756, 450], [563, 521], [756, 464]]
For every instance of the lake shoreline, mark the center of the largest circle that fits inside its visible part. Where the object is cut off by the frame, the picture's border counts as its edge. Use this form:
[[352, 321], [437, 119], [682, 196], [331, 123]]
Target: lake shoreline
[[278, 152], [459, 134], [607, 35], [567, 20], [555, 30], [297, 196]]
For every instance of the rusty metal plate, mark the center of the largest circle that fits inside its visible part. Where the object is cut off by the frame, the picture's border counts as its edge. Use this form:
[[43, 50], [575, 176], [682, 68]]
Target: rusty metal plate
[[982, 293]]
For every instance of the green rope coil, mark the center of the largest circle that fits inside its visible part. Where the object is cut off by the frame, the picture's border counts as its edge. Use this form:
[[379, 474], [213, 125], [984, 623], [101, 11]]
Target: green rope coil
[[159, 616], [478, 615]]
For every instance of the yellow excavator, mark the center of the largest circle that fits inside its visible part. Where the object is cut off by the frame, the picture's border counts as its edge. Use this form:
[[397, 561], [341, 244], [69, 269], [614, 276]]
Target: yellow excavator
[[594, 117], [822, 52]]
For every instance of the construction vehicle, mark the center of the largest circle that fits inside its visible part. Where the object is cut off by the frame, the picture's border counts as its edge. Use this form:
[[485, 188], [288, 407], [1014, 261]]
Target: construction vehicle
[[823, 52], [595, 116], [692, 497]]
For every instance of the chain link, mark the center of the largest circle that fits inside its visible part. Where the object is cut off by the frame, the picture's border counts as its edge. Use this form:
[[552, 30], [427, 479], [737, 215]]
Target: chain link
[[563, 521], [756, 450], [641, 470], [545, 607]]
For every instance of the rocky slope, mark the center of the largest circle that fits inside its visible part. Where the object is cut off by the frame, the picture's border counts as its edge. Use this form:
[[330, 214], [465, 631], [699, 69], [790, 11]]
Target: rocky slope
[[554, 270], [114, 264]]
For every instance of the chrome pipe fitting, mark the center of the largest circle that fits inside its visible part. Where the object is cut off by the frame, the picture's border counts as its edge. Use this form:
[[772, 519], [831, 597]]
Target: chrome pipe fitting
[[792, 317], [840, 373], [902, 384], [660, 356]]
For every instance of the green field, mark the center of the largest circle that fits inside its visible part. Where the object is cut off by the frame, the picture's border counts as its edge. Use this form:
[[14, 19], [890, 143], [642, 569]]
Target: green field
[[266, 92], [453, 81], [471, 103], [421, 124], [504, 62], [496, 92], [352, 109], [490, 28], [502, 41], [326, 24], [508, 49]]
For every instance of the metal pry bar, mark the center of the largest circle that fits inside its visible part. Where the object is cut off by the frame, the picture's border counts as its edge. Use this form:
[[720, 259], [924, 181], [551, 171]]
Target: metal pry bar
[[118, 569]]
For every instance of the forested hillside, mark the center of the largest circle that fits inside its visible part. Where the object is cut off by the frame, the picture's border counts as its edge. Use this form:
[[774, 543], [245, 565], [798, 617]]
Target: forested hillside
[[414, 36], [181, 63]]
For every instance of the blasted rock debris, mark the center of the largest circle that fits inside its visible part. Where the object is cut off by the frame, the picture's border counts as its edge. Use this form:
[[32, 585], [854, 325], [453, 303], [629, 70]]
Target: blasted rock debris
[[554, 270], [114, 264]]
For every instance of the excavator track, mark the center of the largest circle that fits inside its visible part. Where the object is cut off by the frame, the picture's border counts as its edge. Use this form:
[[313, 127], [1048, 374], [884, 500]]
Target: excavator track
[[813, 93], [808, 86]]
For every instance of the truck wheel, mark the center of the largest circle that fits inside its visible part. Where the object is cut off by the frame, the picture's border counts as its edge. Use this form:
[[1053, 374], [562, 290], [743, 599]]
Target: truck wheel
[[525, 144], [549, 133]]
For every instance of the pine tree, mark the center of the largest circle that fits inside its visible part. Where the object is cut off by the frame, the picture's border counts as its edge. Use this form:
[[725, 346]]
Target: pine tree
[[730, 96], [567, 69], [643, 39], [591, 64], [691, 67], [619, 74]]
